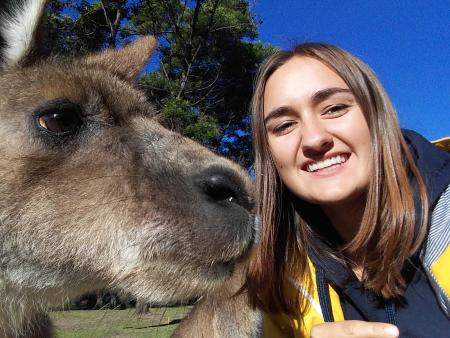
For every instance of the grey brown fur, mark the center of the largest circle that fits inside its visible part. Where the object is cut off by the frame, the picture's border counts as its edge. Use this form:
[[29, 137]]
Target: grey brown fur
[[223, 313], [122, 202]]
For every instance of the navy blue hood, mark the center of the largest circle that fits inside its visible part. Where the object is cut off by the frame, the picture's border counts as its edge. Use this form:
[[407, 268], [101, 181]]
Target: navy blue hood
[[433, 164]]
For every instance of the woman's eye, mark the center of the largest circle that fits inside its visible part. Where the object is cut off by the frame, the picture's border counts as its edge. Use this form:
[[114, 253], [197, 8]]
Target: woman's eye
[[283, 128], [336, 110], [60, 121]]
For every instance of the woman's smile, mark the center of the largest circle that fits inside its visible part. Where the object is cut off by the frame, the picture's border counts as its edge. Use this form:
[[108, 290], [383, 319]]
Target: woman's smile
[[329, 165]]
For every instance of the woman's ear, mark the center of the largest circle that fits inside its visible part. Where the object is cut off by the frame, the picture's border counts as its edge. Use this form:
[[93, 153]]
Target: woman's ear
[[21, 24]]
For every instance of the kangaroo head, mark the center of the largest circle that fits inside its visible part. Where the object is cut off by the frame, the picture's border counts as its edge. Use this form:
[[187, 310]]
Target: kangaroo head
[[94, 192]]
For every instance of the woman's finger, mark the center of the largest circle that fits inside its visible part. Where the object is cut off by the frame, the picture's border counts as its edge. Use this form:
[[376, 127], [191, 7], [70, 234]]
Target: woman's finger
[[354, 329]]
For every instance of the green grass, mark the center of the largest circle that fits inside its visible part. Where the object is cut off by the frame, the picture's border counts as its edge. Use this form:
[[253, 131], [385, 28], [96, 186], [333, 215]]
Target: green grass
[[159, 322]]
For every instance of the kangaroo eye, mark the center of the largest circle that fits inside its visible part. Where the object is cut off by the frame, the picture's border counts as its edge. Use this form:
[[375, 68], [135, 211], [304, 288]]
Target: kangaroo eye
[[61, 120]]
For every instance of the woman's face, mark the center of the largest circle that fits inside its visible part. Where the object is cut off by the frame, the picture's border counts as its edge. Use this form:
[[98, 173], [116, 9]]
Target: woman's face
[[318, 135]]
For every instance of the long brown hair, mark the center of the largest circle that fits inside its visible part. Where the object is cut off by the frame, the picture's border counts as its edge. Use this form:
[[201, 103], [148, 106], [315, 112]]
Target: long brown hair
[[386, 237]]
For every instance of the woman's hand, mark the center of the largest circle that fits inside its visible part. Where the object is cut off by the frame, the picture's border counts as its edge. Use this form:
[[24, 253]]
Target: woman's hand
[[354, 329]]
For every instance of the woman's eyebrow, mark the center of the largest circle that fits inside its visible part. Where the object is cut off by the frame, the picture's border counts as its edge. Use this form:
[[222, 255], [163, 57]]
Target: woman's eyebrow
[[324, 94], [277, 112], [317, 97]]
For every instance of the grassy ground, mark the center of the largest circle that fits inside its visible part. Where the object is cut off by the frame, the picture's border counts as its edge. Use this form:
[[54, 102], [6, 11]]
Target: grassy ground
[[159, 322]]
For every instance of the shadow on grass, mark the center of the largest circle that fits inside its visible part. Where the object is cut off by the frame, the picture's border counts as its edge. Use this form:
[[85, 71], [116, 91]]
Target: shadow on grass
[[172, 322]]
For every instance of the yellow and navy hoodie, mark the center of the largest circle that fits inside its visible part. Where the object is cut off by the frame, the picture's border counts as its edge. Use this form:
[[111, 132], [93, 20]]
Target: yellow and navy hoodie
[[424, 309]]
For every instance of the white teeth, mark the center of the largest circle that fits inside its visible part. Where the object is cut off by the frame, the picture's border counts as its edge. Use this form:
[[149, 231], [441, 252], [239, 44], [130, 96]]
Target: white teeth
[[326, 163]]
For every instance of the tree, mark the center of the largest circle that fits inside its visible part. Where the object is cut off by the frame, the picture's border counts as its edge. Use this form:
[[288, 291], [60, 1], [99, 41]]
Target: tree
[[79, 27], [208, 57]]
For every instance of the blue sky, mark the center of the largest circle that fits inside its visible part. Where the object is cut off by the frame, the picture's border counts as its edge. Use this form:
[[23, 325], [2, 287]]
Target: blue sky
[[406, 42]]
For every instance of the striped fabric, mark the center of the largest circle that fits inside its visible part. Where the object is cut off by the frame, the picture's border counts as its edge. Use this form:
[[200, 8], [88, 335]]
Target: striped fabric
[[436, 254]]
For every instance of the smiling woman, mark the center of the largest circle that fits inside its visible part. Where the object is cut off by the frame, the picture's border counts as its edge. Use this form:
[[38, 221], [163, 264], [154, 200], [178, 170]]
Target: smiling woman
[[344, 206], [319, 140]]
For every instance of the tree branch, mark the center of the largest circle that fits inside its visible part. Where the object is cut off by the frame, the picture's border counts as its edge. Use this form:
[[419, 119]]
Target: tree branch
[[113, 27]]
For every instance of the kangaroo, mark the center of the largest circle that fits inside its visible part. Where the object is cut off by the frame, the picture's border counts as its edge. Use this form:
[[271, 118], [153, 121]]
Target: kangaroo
[[95, 193]]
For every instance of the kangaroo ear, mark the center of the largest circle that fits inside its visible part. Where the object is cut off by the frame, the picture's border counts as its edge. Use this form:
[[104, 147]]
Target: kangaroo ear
[[20, 28], [126, 62]]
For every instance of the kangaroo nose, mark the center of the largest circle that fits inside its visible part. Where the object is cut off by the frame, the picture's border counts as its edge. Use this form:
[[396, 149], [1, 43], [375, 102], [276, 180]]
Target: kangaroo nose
[[221, 184]]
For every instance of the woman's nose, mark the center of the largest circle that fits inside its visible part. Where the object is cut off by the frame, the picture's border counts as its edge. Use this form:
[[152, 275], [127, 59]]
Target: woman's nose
[[315, 139]]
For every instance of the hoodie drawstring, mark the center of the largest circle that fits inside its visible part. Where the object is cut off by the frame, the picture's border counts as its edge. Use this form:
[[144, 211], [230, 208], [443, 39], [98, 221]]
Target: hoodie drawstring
[[324, 295], [389, 309]]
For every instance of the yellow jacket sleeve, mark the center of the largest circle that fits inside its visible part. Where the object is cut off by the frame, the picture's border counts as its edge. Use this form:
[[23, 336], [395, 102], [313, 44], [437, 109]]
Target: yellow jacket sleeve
[[281, 325]]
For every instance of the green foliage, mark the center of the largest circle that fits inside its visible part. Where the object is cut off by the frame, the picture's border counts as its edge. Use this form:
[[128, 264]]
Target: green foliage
[[177, 113], [82, 26], [204, 130], [208, 57]]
